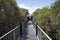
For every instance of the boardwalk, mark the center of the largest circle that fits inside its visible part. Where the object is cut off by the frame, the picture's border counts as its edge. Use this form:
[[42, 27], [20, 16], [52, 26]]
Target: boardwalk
[[29, 33]]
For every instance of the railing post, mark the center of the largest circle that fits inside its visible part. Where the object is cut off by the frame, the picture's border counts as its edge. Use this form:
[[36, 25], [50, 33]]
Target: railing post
[[21, 30], [36, 30], [14, 34]]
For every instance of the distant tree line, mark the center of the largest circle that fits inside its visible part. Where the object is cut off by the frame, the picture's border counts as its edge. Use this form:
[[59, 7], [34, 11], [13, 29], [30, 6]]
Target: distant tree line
[[10, 15], [48, 18]]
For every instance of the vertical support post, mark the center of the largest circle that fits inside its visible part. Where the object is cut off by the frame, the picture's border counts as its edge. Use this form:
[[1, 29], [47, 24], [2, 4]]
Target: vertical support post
[[36, 30], [14, 34], [20, 29]]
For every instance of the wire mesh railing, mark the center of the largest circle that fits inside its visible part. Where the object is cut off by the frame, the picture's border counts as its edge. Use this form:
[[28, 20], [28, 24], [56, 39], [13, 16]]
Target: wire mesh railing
[[41, 34], [15, 33], [12, 34]]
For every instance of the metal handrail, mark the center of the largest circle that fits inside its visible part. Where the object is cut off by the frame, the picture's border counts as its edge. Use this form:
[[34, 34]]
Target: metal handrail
[[9, 32], [44, 33]]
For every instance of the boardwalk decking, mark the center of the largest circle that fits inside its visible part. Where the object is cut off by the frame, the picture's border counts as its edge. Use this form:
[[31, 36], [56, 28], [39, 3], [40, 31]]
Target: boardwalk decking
[[29, 32]]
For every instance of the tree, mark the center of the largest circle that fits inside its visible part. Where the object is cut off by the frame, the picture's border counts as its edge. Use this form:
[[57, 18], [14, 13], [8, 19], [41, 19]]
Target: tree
[[49, 19], [10, 15]]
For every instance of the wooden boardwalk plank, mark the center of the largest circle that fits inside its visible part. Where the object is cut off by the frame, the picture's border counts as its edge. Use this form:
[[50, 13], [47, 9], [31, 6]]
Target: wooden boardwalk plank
[[29, 33]]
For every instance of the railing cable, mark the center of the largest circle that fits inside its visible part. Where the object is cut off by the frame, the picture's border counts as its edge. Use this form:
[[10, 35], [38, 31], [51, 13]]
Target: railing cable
[[9, 32], [44, 33]]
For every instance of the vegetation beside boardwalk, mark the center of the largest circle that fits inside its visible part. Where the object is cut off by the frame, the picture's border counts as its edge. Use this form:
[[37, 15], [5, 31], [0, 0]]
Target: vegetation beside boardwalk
[[10, 15], [48, 18]]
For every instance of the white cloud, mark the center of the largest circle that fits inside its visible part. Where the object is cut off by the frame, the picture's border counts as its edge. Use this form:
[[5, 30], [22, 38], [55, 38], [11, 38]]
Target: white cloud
[[30, 9]]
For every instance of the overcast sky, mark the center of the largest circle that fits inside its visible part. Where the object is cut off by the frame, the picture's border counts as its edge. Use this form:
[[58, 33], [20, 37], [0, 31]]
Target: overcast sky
[[32, 5]]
